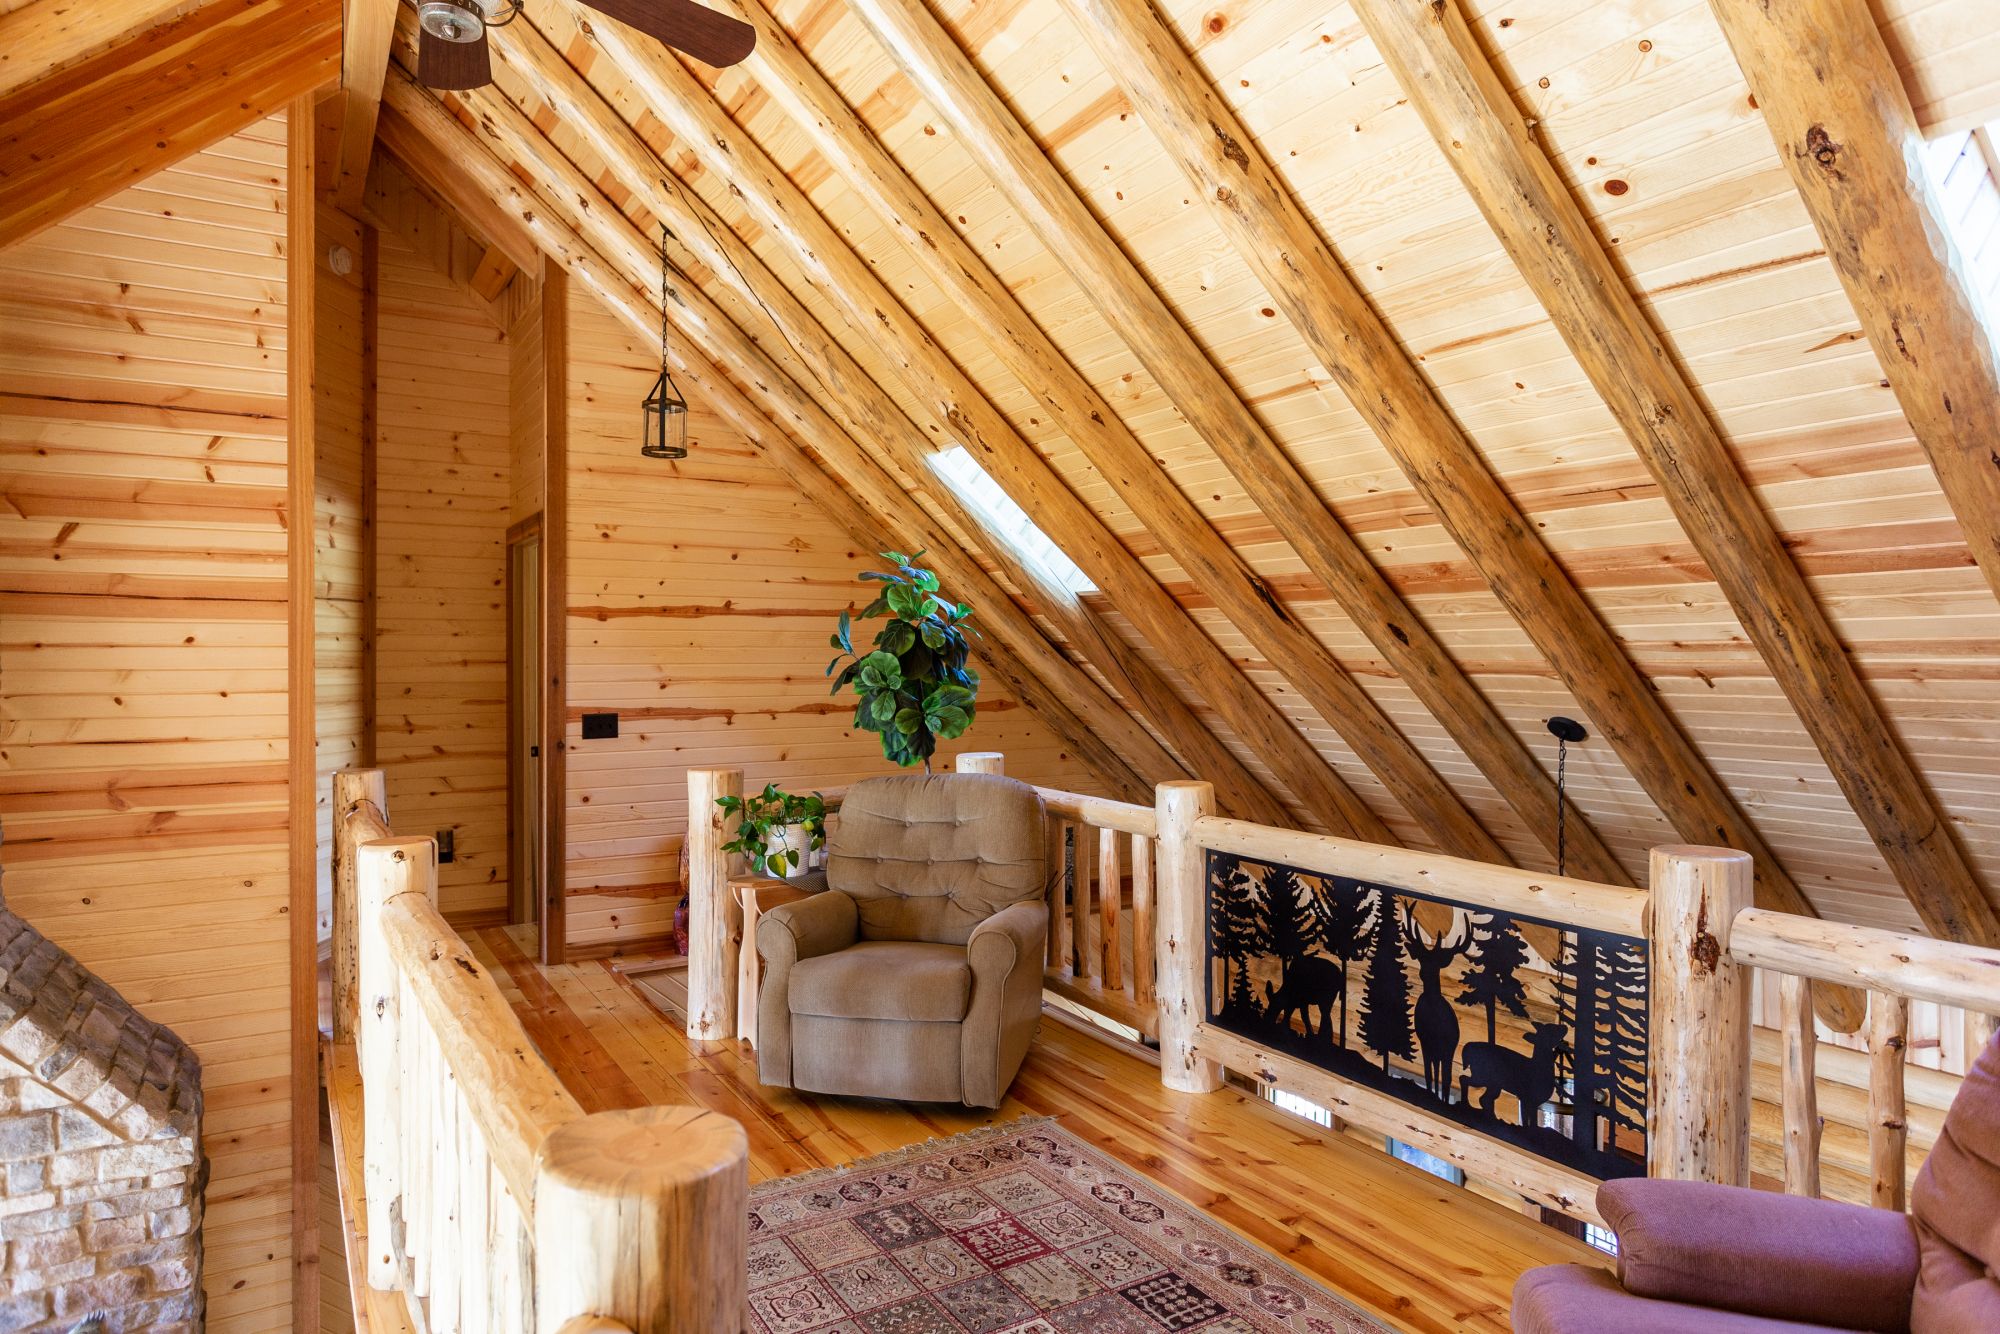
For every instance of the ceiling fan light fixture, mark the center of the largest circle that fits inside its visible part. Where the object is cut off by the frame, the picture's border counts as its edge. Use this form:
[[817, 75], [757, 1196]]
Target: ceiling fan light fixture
[[451, 21]]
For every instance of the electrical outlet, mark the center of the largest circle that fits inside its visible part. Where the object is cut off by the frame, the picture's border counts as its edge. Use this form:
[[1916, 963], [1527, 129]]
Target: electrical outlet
[[446, 852], [600, 726]]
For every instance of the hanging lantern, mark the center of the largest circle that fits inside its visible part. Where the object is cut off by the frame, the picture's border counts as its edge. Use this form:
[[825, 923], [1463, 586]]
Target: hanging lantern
[[666, 410]]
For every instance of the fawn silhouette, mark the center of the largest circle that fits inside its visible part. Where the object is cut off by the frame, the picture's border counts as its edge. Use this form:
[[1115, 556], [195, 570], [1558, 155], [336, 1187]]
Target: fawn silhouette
[[1312, 982], [1530, 1078], [1437, 1019]]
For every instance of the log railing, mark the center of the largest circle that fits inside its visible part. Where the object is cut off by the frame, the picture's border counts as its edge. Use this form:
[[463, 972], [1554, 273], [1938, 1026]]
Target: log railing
[[1894, 969], [1101, 932], [492, 1202]]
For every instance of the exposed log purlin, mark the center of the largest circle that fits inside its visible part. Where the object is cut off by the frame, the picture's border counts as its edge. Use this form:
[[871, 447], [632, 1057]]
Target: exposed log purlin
[[1468, 111]]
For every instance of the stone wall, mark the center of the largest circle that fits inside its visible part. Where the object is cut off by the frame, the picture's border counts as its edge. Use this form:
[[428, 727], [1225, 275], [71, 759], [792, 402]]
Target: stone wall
[[101, 1172]]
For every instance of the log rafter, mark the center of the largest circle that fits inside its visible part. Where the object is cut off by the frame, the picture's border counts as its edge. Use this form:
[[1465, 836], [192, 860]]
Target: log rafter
[[1256, 211], [1841, 119], [778, 419], [1468, 111], [958, 409], [992, 134], [874, 416]]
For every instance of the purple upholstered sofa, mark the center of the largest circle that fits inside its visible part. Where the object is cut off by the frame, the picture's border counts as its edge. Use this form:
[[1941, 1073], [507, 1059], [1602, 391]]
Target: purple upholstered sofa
[[1702, 1259]]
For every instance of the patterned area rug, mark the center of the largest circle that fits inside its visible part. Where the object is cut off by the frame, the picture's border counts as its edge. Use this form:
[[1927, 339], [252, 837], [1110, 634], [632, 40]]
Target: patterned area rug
[[1013, 1229]]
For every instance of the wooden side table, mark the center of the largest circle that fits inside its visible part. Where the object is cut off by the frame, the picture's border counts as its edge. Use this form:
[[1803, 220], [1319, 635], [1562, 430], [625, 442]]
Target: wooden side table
[[756, 895]]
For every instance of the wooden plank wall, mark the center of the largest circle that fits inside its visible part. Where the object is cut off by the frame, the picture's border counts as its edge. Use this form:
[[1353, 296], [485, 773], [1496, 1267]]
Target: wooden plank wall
[[526, 396], [701, 595], [338, 551], [442, 501], [143, 725]]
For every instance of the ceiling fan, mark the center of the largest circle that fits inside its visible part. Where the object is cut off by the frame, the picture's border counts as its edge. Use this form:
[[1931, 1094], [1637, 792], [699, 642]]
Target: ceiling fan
[[452, 53]]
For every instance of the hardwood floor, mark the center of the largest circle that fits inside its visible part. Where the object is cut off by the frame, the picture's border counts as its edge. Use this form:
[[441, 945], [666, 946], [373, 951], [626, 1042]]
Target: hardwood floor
[[1423, 1254]]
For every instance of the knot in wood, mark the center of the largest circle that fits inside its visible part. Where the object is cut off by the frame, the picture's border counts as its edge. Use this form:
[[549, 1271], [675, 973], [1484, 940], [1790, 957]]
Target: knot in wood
[[1230, 148], [1706, 953], [1821, 148]]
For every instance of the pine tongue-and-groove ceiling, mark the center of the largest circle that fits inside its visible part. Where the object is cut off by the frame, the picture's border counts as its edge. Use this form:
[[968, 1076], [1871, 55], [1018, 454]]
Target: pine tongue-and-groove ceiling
[[1646, 116]]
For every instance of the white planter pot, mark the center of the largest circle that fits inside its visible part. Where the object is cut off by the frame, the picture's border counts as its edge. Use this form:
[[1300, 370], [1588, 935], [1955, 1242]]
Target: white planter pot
[[794, 837]]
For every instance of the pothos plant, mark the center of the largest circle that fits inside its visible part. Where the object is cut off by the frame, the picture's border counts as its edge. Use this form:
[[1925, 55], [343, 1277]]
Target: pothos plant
[[772, 811], [914, 685]]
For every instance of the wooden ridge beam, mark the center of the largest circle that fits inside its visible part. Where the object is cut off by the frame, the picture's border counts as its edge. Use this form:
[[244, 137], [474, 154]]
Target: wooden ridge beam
[[1439, 64], [1841, 118], [1251, 203], [792, 82], [990, 132], [454, 161], [85, 133], [959, 410], [367, 32]]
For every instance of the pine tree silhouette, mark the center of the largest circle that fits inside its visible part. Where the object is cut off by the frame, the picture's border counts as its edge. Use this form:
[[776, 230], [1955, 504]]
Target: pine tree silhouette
[[1235, 935], [1286, 919], [1580, 990], [1494, 978], [1385, 996], [1342, 914], [1625, 1034]]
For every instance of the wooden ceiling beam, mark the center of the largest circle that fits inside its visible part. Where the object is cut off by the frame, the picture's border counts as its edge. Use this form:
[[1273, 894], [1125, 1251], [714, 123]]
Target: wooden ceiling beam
[[1841, 118], [774, 414], [1468, 111], [85, 133], [958, 409], [1256, 211], [988, 129], [368, 31], [43, 37], [881, 422]]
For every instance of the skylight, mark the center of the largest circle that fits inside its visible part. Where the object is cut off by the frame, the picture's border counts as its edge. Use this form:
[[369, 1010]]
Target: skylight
[[1008, 521], [1967, 177]]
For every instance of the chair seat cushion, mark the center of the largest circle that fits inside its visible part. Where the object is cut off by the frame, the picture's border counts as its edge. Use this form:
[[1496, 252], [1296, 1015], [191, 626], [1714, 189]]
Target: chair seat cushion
[[885, 979], [1578, 1299]]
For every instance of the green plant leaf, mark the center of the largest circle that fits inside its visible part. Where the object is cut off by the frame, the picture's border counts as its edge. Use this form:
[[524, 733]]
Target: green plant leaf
[[908, 721], [898, 637]]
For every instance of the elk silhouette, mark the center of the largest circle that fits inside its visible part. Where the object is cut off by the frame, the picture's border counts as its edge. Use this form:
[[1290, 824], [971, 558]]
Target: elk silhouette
[[1311, 983], [1530, 1078], [1437, 1020]]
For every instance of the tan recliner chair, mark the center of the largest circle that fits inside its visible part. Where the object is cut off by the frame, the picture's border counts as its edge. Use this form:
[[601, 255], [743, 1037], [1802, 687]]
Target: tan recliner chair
[[917, 974]]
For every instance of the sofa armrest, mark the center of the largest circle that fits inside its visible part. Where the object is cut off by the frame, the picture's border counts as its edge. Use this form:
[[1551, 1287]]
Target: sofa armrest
[[1005, 952], [804, 929], [1784, 1257]]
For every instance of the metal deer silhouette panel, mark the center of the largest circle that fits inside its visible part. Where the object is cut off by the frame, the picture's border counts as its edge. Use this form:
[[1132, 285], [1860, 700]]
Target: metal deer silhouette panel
[[1523, 1029]]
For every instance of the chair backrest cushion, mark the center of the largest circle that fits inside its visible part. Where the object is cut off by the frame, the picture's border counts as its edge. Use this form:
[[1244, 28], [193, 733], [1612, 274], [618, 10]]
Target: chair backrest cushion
[[1956, 1204], [930, 857]]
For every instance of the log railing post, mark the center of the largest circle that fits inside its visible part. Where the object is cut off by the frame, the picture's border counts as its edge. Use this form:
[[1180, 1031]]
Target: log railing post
[[641, 1217], [1180, 924], [351, 787], [982, 762], [714, 918], [1800, 1113], [1888, 1112], [384, 870], [1698, 1107]]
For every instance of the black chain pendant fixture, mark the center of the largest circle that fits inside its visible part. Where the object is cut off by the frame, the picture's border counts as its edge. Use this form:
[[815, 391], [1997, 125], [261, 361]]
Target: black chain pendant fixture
[[666, 410], [1565, 731]]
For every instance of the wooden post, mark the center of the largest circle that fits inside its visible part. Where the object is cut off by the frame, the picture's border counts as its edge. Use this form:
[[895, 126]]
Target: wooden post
[[641, 1216], [1142, 921], [1888, 1116], [1110, 897], [1181, 873], [982, 762], [351, 787], [384, 870], [1698, 1112], [714, 919], [1800, 1113]]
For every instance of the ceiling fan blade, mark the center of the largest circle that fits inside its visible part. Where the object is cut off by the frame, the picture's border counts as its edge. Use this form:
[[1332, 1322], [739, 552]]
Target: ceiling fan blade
[[453, 66], [710, 37]]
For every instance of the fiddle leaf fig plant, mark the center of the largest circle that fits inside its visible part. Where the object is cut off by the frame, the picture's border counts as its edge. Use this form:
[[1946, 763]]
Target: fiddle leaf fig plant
[[914, 686], [764, 817]]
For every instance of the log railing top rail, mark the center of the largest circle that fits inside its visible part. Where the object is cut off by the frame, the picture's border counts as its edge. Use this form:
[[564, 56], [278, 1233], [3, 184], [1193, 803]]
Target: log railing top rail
[[1913, 967], [1572, 902]]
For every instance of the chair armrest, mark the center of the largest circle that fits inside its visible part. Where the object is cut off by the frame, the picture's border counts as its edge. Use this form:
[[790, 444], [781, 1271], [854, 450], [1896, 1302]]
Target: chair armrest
[[1005, 953], [806, 929], [1784, 1257]]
